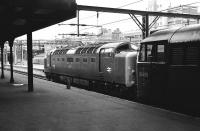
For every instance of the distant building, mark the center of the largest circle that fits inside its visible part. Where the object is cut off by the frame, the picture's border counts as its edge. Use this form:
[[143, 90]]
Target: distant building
[[155, 5], [168, 22], [106, 34], [117, 35], [134, 37], [172, 22]]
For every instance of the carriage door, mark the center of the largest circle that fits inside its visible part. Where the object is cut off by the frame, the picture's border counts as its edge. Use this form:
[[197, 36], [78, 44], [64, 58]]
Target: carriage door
[[106, 61]]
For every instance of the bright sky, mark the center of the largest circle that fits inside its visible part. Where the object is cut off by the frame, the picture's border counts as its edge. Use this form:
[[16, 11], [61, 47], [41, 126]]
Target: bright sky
[[90, 18]]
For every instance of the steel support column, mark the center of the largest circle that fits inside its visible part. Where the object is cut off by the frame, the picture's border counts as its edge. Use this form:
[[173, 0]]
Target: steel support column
[[11, 60], [2, 62], [145, 22], [78, 23], [30, 62]]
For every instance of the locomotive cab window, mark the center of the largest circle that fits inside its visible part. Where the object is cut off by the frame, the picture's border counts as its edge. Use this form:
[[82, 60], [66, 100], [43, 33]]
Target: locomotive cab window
[[123, 48], [109, 52], [152, 52]]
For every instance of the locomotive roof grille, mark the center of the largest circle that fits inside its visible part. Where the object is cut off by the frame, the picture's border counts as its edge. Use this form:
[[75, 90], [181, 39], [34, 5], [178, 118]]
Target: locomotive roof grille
[[84, 50], [78, 50], [90, 50]]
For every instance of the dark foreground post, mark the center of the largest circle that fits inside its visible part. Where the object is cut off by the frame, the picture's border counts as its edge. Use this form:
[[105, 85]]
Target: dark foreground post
[[30, 62], [11, 60], [2, 64]]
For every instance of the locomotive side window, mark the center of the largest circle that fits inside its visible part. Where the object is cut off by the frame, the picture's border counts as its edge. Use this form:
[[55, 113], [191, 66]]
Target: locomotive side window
[[77, 59], [70, 59], [92, 59], [84, 59]]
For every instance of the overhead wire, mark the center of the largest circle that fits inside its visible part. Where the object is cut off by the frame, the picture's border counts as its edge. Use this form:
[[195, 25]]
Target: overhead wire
[[116, 7], [140, 16]]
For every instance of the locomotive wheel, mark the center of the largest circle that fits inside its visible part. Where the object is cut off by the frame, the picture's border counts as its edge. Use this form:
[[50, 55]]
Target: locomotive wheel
[[68, 83], [91, 85], [48, 77]]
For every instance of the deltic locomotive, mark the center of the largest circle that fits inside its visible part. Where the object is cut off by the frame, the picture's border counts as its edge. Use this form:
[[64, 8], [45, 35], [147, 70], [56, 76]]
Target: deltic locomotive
[[112, 64]]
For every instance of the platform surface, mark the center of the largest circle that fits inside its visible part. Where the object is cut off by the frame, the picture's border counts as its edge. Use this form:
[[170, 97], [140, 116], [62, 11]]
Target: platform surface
[[52, 107]]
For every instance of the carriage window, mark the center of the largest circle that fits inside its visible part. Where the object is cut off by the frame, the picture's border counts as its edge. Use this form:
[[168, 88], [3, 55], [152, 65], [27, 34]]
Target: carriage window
[[63, 59]]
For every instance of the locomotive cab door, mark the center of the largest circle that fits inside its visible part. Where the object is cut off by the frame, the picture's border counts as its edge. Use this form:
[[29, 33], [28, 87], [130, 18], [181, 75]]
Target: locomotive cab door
[[106, 62], [152, 71]]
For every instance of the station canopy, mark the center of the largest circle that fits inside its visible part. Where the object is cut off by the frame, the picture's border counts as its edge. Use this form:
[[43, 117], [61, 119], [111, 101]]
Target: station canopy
[[18, 17]]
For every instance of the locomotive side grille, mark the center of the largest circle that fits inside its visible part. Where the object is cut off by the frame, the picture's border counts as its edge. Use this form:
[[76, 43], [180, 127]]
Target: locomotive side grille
[[192, 56], [177, 55]]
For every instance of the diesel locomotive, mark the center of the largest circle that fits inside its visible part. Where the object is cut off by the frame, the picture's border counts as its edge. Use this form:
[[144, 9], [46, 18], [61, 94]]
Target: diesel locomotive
[[112, 64], [168, 68]]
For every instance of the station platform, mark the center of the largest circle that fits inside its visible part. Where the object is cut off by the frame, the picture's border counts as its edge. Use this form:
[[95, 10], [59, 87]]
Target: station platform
[[52, 107]]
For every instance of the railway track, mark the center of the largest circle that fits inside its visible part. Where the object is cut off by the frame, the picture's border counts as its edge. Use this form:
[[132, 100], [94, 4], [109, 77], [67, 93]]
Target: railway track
[[23, 71], [103, 91], [38, 73]]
